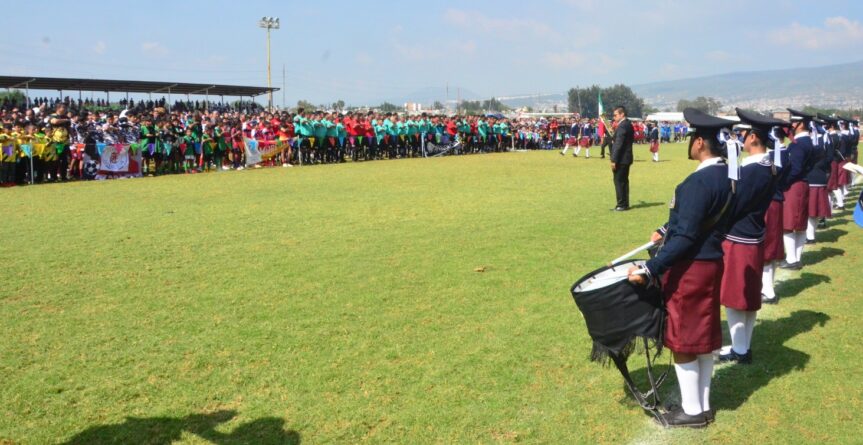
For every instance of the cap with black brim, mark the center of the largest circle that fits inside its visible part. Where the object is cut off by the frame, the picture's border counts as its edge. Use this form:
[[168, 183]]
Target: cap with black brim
[[764, 126], [797, 116], [711, 127]]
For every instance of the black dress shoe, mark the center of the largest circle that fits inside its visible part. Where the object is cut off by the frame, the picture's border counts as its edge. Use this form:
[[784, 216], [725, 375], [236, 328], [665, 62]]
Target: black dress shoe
[[621, 209], [676, 418], [765, 300], [810, 241], [791, 266], [731, 356], [709, 415]]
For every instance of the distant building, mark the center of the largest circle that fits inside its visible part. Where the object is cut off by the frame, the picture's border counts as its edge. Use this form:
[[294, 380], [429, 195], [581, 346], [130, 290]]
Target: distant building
[[412, 106], [782, 114]]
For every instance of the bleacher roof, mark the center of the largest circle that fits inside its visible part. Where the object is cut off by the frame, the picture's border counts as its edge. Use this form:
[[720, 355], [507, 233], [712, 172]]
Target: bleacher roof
[[129, 86]]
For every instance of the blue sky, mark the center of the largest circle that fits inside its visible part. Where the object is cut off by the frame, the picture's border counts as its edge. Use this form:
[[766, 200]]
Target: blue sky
[[366, 52]]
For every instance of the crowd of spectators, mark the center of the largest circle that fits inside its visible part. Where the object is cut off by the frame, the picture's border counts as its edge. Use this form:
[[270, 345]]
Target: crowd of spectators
[[56, 140]]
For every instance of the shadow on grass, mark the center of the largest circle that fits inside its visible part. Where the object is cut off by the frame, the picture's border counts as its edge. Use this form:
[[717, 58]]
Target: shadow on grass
[[810, 258], [795, 286], [166, 430], [830, 235], [733, 384], [645, 205]]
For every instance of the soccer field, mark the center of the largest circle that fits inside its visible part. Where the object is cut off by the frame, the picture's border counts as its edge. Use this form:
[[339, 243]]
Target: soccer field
[[408, 301]]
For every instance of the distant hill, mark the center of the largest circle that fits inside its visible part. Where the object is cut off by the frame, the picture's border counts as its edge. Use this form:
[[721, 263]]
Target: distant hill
[[540, 101], [837, 86], [429, 95]]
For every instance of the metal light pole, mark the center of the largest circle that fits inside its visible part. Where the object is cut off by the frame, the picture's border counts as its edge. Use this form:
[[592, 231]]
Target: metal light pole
[[269, 23]]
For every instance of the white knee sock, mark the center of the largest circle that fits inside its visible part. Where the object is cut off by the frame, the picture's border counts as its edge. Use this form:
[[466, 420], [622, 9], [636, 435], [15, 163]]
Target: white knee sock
[[687, 379], [789, 239], [767, 280], [811, 224], [737, 328], [586, 152], [751, 316], [576, 151], [840, 201], [844, 191], [564, 150], [705, 375], [799, 243], [656, 157]]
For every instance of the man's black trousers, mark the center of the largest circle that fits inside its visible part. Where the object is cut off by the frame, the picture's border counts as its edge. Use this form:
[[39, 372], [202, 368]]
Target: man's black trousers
[[621, 185]]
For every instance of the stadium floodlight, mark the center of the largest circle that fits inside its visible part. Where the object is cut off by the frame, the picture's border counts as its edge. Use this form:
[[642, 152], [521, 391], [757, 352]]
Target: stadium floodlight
[[269, 23]]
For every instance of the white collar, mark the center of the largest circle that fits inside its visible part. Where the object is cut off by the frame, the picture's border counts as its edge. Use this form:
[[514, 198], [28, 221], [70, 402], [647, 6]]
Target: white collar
[[752, 159], [708, 162], [804, 134]]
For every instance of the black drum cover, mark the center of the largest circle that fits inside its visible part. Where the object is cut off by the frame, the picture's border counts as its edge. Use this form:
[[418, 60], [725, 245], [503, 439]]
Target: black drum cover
[[618, 313]]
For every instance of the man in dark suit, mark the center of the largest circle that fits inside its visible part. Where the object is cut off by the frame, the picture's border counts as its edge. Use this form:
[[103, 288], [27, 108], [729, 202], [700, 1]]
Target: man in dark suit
[[621, 157]]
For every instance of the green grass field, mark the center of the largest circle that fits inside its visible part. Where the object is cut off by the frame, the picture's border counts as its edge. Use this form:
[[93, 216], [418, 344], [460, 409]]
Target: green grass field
[[411, 301]]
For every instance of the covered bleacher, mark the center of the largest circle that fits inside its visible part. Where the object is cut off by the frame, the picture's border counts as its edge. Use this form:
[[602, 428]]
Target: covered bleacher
[[61, 84]]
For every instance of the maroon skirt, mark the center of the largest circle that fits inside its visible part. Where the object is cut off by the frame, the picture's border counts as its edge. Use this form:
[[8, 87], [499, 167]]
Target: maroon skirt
[[843, 178], [795, 210], [691, 291], [819, 203], [833, 180], [741, 275], [774, 249]]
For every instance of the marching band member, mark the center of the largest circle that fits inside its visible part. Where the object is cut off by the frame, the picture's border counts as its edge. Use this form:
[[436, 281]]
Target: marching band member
[[690, 266]]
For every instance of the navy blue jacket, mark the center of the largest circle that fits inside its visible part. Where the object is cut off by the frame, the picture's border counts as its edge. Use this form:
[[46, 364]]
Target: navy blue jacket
[[800, 151], [782, 174], [855, 140], [821, 158], [845, 146], [836, 147], [700, 197], [754, 192]]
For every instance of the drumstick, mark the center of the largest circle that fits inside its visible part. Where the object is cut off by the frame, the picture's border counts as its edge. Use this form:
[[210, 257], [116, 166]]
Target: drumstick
[[631, 253]]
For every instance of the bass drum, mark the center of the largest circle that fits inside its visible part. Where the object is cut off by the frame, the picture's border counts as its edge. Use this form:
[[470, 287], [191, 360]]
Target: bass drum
[[617, 312]]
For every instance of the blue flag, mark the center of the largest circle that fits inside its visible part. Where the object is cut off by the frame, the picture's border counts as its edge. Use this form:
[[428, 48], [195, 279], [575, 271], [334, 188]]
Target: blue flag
[[858, 210]]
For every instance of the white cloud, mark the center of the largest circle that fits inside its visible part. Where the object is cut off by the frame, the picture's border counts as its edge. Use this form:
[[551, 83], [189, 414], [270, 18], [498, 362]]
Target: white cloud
[[837, 32], [414, 53], [582, 61], [565, 60], [153, 49], [718, 56], [502, 26], [100, 47], [669, 70], [604, 64], [467, 47], [584, 5], [363, 58]]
